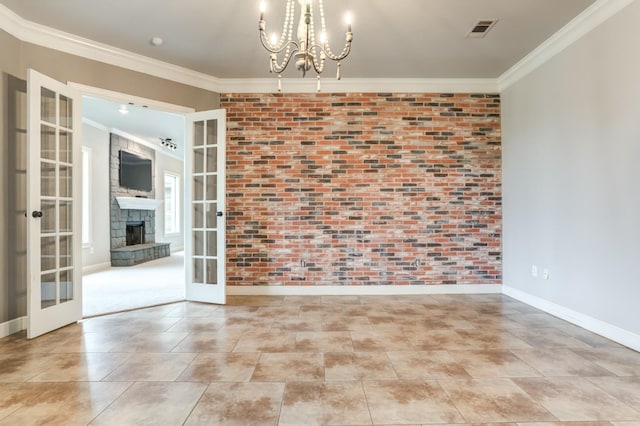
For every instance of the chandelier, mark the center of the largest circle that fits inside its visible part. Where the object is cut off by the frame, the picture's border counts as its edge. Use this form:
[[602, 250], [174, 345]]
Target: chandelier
[[307, 51]]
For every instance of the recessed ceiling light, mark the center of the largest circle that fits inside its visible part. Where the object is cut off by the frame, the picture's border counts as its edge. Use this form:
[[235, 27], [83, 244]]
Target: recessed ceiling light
[[156, 41]]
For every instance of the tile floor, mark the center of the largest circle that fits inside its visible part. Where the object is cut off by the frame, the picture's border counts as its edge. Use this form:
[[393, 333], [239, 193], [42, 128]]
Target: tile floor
[[406, 360]]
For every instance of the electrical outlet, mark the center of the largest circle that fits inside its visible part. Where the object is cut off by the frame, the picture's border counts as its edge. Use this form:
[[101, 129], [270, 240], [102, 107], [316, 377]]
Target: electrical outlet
[[534, 271], [545, 274]]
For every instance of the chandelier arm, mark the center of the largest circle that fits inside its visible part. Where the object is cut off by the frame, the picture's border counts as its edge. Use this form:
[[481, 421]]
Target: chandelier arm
[[279, 68], [345, 50], [276, 49]]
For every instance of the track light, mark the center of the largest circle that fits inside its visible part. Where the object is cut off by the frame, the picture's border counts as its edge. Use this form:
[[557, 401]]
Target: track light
[[168, 143]]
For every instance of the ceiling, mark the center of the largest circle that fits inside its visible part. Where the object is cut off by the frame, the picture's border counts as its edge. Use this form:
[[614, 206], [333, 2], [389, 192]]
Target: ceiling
[[142, 123], [416, 38], [423, 39]]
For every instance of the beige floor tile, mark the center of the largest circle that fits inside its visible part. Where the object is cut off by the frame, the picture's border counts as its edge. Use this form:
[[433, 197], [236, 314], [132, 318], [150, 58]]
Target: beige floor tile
[[80, 367], [73, 403], [217, 341], [412, 365], [480, 364], [150, 342], [267, 342], [324, 341], [575, 398], [346, 366], [549, 338], [371, 341], [295, 324], [270, 313], [620, 361], [626, 389], [318, 403], [320, 311], [433, 340], [346, 323], [403, 402], [20, 367], [220, 367], [153, 403], [559, 362], [321, 349], [494, 400], [283, 367], [564, 424], [197, 324], [488, 339], [148, 367], [238, 404]]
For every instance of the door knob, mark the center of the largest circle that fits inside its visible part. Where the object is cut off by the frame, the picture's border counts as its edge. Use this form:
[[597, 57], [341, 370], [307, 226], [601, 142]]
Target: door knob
[[219, 214], [36, 214]]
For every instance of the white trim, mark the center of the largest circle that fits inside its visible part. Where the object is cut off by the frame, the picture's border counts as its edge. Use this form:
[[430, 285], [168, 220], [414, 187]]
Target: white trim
[[13, 326], [70, 43], [360, 85], [594, 325], [136, 100], [362, 290], [95, 124], [41, 35], [579, 26], [90, 269], [135, 203]]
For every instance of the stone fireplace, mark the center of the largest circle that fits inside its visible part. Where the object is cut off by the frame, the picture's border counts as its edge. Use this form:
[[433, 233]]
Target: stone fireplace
[[133, 213]]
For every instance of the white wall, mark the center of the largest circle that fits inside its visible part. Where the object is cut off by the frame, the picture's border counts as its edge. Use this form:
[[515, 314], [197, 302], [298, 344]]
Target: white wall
[[166, 163], [571, 154], [99, 251]]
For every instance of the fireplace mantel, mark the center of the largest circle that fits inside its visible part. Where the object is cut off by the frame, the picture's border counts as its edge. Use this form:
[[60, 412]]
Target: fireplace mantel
[[135, 203]]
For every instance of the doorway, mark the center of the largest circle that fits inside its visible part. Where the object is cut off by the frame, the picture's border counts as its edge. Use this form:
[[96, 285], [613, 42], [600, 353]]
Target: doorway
[[137, 282]]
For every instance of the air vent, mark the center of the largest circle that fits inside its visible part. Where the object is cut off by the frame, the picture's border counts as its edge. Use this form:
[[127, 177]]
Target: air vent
[[481, 28]]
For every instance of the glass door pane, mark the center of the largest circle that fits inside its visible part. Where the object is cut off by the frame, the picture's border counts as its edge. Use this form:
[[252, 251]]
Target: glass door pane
[[205, 244]]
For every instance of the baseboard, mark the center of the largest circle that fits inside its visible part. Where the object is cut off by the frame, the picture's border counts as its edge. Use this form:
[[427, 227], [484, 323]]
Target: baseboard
[[13, 326], [362, 290], [90, 269], [611, 332]]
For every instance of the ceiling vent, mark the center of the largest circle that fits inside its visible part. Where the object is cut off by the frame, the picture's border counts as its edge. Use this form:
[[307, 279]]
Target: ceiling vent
[[481, 28]]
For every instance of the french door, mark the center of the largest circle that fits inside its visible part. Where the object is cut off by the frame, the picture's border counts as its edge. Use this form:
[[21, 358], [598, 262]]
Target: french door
[[205, 206], [54, 212]]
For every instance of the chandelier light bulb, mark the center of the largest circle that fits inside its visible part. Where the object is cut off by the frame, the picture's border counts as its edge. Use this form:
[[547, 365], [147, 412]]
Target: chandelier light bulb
[[348, 19], [263, 6], [308, 47]]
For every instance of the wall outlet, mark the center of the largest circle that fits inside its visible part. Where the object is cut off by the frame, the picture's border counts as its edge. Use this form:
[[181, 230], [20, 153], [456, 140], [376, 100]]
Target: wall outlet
[[534, 271], [545, 274]]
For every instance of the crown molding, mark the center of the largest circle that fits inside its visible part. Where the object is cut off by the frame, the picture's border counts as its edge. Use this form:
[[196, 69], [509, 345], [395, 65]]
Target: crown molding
[[31, 32], [360, 85], [579, 26], [41, 35]]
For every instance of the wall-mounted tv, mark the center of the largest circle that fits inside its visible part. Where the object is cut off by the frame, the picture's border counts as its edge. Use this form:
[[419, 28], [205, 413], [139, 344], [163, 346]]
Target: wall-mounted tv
[[135, 172]]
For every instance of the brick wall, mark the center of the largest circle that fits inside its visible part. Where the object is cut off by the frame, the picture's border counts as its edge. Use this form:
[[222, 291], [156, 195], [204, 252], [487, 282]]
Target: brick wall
[[363, 189]]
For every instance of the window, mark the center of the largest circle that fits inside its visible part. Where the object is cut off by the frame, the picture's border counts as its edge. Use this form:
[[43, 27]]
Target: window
[[86, 196], [171, 204]]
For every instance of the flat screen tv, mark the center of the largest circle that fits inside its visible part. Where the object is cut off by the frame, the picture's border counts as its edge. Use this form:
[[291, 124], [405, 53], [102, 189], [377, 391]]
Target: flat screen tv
[[135, 172]]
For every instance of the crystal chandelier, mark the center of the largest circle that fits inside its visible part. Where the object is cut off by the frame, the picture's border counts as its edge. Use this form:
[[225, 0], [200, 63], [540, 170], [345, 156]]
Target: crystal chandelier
[[307, 51]]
